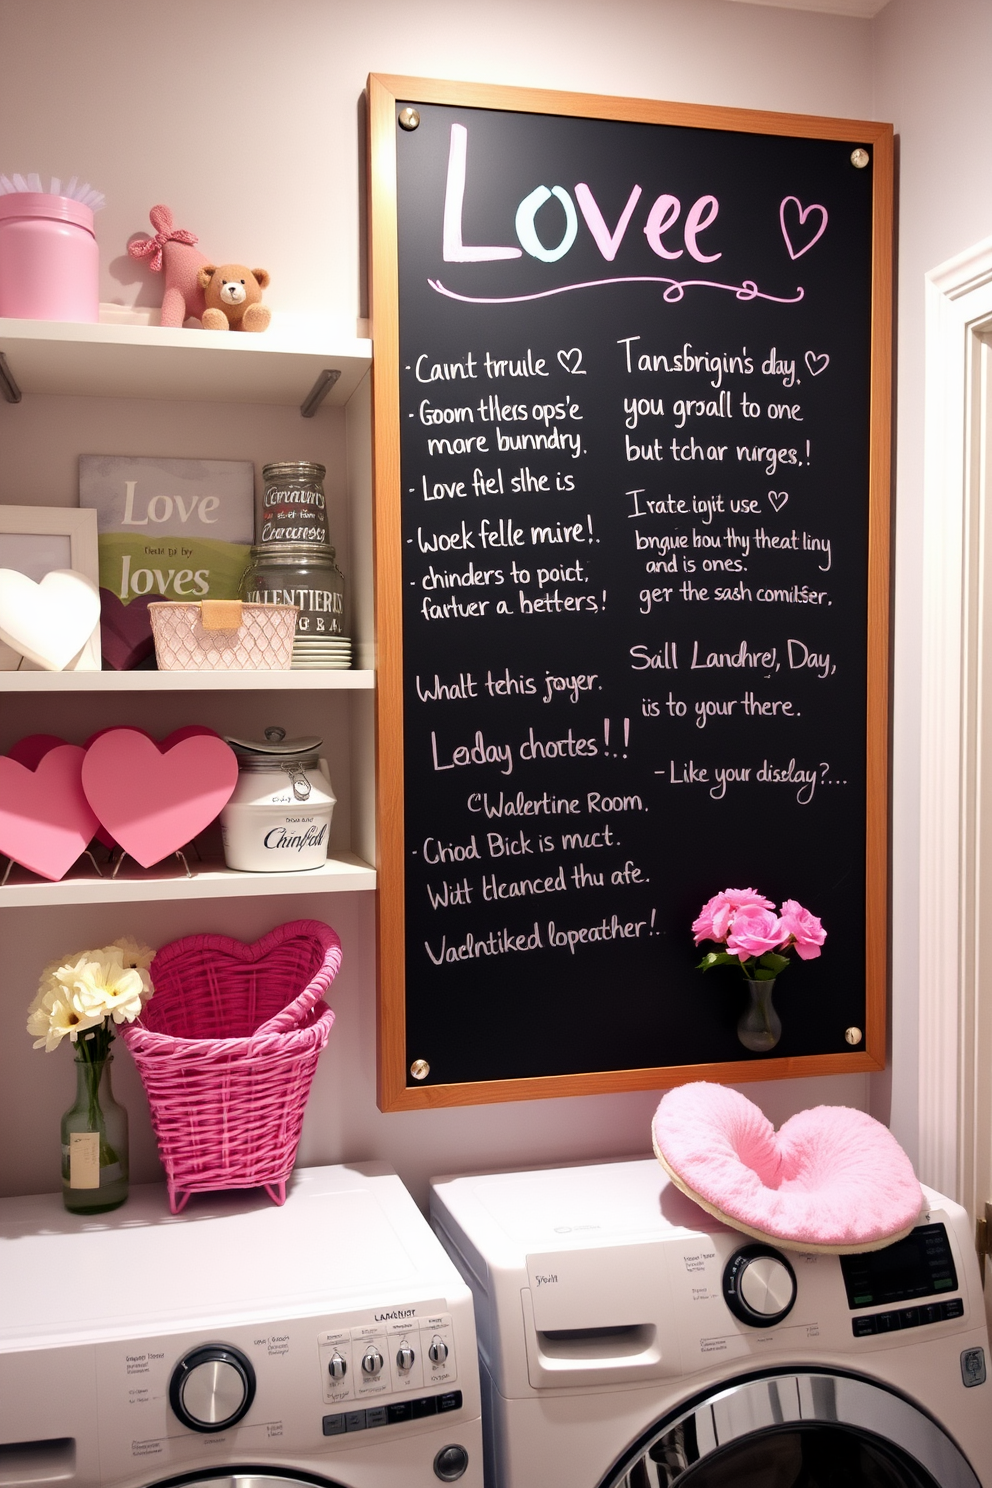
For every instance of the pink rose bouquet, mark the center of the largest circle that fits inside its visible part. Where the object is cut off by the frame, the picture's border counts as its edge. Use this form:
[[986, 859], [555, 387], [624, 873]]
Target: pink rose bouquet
[[756, 938]]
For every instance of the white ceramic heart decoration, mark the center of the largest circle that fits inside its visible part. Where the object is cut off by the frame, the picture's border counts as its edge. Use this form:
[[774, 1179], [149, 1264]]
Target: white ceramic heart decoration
[[50, 622]]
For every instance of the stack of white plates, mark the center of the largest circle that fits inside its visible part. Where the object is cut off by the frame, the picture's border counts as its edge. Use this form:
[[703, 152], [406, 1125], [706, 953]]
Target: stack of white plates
[[321, 653]]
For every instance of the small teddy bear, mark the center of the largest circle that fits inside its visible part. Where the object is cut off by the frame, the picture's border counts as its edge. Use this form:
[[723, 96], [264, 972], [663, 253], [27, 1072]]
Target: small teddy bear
[[233, 294]]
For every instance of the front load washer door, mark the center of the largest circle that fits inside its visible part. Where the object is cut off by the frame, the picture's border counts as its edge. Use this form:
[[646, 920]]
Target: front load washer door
[[797, 1431]]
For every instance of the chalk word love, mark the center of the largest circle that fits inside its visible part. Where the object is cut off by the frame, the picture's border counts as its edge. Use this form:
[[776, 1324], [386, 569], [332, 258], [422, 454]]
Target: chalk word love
[[661, 220], [793, 234]]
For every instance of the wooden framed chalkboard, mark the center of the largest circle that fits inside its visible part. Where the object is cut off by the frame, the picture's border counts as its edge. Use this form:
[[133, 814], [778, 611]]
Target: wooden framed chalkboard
[[631, 411]]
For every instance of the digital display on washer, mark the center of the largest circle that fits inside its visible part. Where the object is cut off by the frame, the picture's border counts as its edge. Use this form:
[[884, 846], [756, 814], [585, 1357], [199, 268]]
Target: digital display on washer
[[918, 1266]]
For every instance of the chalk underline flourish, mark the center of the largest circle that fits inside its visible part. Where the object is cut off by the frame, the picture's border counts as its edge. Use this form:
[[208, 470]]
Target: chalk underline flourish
[[675, 291]]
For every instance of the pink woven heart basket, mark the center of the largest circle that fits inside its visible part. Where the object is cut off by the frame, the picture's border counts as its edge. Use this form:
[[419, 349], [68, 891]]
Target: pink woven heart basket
[[227, 1050]]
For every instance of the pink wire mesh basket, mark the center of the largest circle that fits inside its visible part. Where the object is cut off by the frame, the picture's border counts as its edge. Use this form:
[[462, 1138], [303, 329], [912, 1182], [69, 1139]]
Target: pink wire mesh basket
[[227, 1049]]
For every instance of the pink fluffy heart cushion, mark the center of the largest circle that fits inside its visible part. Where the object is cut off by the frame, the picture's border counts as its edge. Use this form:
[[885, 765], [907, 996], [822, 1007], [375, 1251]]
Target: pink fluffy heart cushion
[[832, 1179]]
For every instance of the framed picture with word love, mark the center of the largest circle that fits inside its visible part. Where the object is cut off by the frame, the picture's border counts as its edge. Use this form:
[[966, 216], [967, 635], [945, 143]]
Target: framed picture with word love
[[168, 529]]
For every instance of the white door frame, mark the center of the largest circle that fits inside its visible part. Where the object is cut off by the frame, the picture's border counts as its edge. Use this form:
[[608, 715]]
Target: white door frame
[[954, 1094]]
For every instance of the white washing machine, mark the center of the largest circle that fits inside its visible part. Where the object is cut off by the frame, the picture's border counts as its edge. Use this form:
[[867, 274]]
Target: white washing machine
[[330, 1341], [628, 1340]]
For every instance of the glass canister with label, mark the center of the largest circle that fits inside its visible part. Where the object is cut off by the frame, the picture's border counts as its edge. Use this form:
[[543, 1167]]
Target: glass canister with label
[[294, 509], [306, 575], [279, 818]]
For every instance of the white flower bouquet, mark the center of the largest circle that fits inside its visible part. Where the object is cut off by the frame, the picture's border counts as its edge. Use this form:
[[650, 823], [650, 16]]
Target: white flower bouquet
[[84, 995]]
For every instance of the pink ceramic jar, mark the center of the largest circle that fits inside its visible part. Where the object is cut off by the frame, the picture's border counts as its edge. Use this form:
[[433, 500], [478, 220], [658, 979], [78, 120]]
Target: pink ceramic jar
[[49, 261]]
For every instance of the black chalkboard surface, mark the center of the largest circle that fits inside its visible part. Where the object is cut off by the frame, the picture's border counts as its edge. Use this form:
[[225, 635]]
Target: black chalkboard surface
[[631, 392]]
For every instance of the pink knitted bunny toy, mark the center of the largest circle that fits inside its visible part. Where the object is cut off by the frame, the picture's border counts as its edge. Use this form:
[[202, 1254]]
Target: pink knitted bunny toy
[[173, 245]]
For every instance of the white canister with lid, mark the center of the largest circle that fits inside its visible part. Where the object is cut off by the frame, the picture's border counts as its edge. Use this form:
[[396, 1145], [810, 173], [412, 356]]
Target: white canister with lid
[[279, 818]]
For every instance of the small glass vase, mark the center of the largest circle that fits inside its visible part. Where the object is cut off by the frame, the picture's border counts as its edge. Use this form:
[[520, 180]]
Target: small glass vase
[[759, 1027], [94, 1142]]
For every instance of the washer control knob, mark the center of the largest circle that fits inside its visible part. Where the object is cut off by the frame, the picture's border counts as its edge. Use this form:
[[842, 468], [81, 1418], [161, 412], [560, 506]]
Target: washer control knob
[[212, 1387], [438, 1351], [759, 1286], [371, 1362], [404, 1358], [337, 1367]]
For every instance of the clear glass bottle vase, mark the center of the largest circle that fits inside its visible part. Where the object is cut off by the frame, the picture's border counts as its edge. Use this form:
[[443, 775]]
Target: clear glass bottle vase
[[759, 1027], [94, 1142]]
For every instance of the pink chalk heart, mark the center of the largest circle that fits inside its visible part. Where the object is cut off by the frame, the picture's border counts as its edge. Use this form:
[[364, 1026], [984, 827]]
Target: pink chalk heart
[[817, 363], [792, 229], [45, 819], [155, 803]]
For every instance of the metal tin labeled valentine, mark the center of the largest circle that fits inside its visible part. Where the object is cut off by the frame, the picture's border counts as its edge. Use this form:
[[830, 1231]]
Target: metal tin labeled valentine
[[302, 574]]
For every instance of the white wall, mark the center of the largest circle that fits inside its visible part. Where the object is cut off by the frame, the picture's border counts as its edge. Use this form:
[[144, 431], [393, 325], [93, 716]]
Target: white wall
[[931, 63], [255, 143]]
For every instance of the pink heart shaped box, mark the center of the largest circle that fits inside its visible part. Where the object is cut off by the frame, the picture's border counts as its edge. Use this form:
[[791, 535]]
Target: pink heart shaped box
[[45, 819], [154, 803], [188, 731], [102, 835], [31, 750]]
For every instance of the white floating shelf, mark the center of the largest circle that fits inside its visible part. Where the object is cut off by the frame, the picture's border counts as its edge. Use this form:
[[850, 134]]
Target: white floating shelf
[[342, 874], [138, 681], [144, 361]]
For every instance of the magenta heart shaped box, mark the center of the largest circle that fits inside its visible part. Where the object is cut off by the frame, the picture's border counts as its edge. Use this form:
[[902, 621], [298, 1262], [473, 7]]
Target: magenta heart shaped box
[[121, 786]]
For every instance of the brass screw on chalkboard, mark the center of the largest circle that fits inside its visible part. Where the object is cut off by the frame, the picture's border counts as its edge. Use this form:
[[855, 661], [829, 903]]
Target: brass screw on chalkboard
[[853, 1035], [420, 1069], [859, 159], [409, 118]]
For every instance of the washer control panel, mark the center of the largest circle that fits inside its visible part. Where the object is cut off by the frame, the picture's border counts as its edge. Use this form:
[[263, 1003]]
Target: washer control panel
[[383, 1358], [919, 1265], [907, 1317], [388, 1415]]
